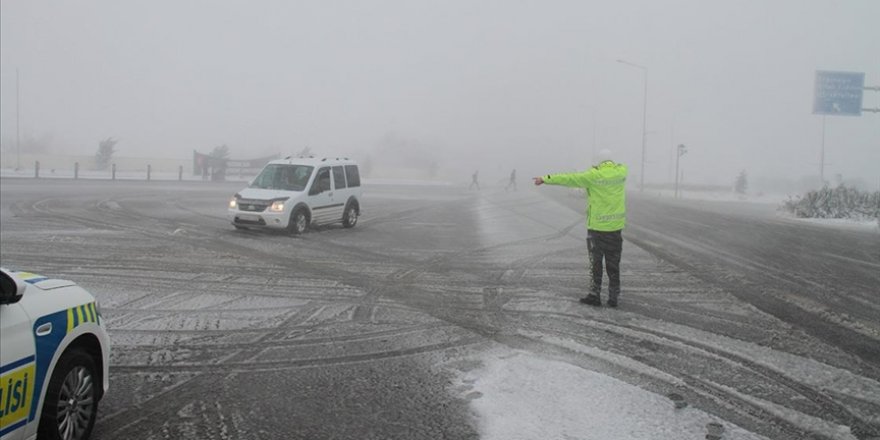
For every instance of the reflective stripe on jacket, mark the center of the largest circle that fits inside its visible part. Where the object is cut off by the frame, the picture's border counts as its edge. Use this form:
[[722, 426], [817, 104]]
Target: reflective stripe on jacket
[[606, 193]]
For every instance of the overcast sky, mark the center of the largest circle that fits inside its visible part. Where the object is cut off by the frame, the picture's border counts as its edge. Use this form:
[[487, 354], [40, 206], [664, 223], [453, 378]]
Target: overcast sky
[[494, 85]]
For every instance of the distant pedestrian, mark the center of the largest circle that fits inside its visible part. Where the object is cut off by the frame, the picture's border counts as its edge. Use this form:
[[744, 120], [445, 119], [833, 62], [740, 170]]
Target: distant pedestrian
[[475, 180], [512, 181], [606, 217]]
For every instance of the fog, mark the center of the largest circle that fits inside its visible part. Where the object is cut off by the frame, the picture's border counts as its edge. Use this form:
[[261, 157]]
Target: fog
[[463, 85]]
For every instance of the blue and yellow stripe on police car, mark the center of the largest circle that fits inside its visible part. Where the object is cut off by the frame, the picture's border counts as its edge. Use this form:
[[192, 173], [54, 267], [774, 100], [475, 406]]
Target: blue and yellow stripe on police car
[[63, 322], [84, 313], [16, 394]]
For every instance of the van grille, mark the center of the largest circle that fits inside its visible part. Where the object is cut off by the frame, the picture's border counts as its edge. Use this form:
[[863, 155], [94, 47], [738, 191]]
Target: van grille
[[251, 205]]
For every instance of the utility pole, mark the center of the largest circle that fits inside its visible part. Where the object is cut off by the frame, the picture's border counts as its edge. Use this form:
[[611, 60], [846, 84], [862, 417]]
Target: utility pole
[[644, 133], [822, 154], [681, 152], [17, 124], [671, 150], [644, 121], [595, 138]]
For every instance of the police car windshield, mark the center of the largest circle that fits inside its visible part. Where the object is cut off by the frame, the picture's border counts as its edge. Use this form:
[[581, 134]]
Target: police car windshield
[[284, 177]]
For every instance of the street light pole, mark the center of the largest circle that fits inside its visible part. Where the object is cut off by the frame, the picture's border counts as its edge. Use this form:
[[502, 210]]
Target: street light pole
[[681, 150], [17, 124], [644, 121], [822, 154]]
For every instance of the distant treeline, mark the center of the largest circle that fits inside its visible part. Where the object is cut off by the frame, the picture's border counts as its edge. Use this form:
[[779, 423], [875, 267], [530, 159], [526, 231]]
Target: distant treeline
[[839, 202]]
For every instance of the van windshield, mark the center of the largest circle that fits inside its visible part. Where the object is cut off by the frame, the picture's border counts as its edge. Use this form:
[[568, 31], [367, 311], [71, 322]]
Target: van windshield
[[284, 177]]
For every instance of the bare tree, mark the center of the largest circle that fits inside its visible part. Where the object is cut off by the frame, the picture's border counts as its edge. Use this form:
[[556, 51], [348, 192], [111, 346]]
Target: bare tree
[[220, 152], [104, 156], [218, 160], [742, 183]]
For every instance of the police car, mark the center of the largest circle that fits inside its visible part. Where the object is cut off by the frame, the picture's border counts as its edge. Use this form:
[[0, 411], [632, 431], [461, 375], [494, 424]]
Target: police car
[[54, 358]]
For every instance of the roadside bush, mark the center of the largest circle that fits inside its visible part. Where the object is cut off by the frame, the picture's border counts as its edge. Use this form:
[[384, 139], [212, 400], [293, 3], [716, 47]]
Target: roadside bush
[[840, 202]]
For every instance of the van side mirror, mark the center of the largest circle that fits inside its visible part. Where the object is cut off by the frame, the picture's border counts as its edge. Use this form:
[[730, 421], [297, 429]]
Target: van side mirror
[[11, 289]]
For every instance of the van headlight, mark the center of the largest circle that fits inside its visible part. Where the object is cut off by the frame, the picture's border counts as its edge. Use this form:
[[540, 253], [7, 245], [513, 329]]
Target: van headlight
[[277, 206]]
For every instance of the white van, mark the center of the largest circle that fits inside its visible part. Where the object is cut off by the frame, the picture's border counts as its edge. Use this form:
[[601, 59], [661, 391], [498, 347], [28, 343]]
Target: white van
[[295, 193]]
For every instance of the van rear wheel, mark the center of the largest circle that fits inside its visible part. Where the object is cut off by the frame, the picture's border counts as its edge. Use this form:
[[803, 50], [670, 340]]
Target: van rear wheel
[[299, 222]]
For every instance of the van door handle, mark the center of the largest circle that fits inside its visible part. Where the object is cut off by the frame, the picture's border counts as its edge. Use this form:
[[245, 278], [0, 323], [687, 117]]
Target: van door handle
[[44, 329]]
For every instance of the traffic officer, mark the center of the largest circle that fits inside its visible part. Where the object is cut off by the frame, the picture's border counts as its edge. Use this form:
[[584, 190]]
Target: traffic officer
[[606, 217]]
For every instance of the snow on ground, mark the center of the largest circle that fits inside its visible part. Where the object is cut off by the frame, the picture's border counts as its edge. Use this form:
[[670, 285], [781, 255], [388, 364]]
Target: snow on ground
[[520, 395], [720, 196], [840, 223], [770, 199]]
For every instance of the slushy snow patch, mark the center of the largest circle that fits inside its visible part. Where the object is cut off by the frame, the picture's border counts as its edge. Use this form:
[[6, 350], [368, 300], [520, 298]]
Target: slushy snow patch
[[519, 395]]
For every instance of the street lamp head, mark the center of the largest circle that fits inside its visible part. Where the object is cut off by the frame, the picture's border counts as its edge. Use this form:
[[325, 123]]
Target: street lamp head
[[639, 66]]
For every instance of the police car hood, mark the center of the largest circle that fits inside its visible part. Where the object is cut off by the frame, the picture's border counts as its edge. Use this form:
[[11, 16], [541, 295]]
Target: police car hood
[[264, 194], [53, 284], [41, 282]]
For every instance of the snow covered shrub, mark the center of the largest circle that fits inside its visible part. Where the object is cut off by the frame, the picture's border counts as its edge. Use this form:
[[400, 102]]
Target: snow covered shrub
[[839, 202]]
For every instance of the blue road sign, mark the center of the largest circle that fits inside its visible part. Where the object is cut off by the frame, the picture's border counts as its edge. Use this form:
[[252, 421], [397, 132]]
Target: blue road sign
[[838, 93]]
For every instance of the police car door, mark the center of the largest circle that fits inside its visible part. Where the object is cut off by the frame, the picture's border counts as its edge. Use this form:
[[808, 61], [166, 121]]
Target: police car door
[[17, 364], [321, 197]]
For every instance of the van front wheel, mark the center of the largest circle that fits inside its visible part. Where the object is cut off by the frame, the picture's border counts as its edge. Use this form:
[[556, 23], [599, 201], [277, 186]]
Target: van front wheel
[[299, 221], [350, 216]]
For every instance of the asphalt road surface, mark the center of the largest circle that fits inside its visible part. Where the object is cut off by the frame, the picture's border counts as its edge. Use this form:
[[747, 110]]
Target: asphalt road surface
[[360, 333]]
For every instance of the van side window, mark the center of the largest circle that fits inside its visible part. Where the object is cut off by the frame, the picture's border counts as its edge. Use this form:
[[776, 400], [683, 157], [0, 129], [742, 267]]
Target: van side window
[[322, 182], [354, 178], [339, 177]]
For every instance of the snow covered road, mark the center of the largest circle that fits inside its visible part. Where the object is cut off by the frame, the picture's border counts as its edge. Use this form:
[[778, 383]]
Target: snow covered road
[[443, 314]]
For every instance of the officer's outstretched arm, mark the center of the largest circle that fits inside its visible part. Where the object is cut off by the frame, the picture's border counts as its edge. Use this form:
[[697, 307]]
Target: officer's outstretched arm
[[573, 180]]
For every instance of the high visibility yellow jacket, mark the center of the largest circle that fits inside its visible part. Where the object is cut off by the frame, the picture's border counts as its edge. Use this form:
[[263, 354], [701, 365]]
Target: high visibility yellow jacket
[[606, 193]]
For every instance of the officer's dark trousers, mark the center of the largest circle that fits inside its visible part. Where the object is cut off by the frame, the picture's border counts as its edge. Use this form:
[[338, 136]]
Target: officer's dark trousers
[[605, 246]]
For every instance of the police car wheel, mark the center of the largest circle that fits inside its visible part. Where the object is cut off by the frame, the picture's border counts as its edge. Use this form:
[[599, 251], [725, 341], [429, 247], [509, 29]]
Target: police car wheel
[[71, 403], [350, 217], [299, 221]]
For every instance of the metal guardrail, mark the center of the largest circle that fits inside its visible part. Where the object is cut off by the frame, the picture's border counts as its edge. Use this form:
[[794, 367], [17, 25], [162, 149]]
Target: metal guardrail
[[76, 172]]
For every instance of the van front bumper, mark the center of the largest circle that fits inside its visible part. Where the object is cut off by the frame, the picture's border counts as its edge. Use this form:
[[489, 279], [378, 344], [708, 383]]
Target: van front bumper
[[258, 220]]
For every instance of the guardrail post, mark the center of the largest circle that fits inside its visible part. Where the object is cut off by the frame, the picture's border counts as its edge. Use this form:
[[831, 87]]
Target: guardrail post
[[76, 170], [149, 169], [113, 172], [180, 173], [37, 170]]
